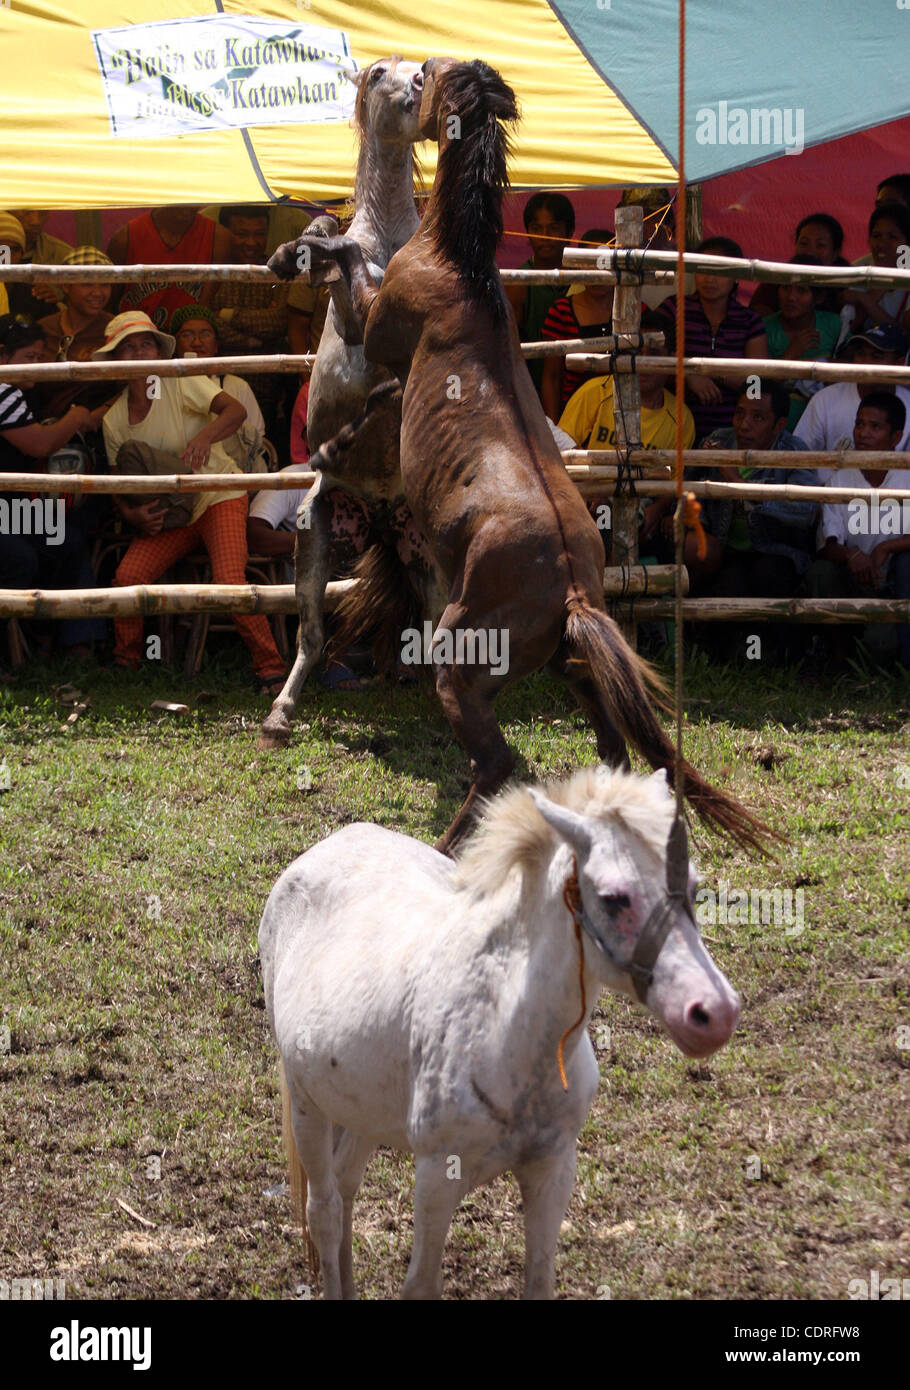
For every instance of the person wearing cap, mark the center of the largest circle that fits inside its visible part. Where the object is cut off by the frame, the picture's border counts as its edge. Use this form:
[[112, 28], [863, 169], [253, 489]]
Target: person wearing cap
[[40, 248], [12, 246], [828, 420], [187, 419], [74, 333], [197, 333]]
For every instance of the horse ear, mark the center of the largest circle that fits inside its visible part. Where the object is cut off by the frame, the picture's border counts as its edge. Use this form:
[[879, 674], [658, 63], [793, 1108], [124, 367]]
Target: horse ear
[[566, 823], [661, 782], [356, 78]]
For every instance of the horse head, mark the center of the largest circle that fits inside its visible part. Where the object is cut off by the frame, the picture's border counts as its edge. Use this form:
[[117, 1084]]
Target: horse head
[[639, 929], [388, 101]]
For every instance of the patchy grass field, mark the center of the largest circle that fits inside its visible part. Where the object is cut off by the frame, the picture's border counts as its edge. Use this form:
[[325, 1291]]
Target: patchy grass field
[[139, 1116]]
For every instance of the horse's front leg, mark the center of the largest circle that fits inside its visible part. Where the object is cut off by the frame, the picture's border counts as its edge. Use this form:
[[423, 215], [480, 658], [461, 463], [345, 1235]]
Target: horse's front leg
[[311, 570], [326, 259], [436, 1195], [546, 1186]]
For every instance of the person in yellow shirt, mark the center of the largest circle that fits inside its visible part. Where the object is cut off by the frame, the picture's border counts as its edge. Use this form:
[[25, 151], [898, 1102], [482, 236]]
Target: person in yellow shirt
[[588, 416]]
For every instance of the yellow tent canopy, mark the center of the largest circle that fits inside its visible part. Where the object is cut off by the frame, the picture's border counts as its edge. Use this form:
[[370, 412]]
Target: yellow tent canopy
[[198, 79]]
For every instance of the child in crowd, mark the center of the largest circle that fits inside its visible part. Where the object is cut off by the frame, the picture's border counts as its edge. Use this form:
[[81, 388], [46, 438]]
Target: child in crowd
[[549, 220]]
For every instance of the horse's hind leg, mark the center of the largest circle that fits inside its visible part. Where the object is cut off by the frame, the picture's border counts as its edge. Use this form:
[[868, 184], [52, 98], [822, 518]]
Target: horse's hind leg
[[352, 1154], [468, 705], [324, 1207], [436, 1196], [611, 746], [311, 570]]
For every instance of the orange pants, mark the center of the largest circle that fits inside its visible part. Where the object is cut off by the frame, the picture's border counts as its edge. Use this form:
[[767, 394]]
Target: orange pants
[[222, 530]]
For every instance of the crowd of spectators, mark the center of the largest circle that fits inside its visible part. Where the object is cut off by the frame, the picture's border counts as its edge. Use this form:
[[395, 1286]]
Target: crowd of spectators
[[226, 423]]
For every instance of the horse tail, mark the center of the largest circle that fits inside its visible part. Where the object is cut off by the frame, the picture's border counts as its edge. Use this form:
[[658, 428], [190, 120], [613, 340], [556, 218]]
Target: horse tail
[[378, 608], [297, 1179], [623, 681]]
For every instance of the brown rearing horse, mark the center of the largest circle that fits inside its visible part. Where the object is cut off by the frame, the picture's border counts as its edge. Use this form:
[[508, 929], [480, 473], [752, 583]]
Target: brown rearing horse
[[509, 532]]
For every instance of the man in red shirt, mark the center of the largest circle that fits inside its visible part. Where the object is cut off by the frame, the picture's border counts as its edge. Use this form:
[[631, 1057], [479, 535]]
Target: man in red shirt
[[168, 236]]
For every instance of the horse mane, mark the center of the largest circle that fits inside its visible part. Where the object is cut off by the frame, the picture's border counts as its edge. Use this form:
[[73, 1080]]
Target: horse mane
[[512, 834], [464, 215]]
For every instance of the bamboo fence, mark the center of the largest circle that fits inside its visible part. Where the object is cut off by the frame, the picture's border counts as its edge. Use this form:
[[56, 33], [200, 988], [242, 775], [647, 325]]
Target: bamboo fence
[[626, 266]]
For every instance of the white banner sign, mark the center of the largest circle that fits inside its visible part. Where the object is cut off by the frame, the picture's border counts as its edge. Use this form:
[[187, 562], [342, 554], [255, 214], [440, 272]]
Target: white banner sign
[[183, 76]]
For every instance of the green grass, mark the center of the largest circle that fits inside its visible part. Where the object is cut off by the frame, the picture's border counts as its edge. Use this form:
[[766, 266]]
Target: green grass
[[139, 849]]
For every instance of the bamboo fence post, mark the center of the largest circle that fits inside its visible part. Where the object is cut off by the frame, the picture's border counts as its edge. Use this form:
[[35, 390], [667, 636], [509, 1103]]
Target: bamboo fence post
[[627, 406]]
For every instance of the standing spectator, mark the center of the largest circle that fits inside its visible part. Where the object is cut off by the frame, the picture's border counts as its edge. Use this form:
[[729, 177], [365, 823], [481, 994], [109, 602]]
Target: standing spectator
[[828, 420], [549, 220], [659, 235], [168, 236], [585, 314], [716, 325], [801, 330], [253, 317], [863, 554], [186, 422]]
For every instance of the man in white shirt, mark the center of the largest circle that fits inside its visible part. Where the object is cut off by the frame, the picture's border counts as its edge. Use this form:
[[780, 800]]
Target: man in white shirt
[[865, 546], [828, 420]]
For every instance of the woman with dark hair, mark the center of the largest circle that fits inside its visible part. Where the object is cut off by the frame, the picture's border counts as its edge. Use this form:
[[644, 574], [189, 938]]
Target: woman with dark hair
[[889, 231], [549, 220], [819, 235], [716, 325], [37, 547]]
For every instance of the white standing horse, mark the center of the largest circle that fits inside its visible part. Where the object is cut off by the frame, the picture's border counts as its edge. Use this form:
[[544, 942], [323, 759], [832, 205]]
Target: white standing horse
[[430, 1005]]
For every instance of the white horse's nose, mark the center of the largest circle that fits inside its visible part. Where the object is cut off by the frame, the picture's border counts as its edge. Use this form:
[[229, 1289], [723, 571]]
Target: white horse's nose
[[709, 1022]]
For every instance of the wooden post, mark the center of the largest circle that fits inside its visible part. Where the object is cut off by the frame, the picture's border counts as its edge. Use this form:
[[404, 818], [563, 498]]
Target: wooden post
[[627, 404], [694, 231]]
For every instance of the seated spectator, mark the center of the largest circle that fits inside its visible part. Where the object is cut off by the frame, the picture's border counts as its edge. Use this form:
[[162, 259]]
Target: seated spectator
[[828, 420], [889, 230], [168, 236], [800, 330], [35, 300], [549, 220], [52, 554], [819, 235], [716, 325], [894, 189], [196, 332], [865, 549], [12, 245], [585, 311], [588, 417], [307, 311], [181, 424]]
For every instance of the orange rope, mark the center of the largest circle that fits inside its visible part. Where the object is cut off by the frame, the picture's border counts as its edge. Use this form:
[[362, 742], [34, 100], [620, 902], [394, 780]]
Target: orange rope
[[681, 508], [571, 896]]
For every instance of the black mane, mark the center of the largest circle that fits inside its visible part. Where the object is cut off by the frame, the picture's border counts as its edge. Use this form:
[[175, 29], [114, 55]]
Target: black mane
[[464, 217]]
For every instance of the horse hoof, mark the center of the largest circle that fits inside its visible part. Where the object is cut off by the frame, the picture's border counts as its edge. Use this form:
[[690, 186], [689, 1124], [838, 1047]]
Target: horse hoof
[[272, 739]]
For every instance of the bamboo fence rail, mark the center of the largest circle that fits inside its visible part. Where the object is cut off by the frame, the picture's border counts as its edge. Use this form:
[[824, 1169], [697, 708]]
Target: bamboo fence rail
[[144, 600], [260, 274], [736, 268], [797, 610], [777, 368]]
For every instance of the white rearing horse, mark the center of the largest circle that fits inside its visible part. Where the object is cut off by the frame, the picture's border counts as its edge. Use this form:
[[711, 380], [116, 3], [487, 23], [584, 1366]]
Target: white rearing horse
[[421, 1003]]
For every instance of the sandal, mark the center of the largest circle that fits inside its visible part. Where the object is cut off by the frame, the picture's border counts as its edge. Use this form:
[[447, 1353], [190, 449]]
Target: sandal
[[272, 685]]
